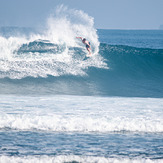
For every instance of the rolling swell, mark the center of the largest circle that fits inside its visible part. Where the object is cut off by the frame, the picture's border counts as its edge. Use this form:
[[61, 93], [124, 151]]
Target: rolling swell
[[135, 72]]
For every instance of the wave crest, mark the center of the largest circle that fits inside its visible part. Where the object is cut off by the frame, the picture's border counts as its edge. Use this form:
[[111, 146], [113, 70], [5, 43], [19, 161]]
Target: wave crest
[[55, 51]]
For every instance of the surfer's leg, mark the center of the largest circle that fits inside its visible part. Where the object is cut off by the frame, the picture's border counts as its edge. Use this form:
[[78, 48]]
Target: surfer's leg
[[89, 51]]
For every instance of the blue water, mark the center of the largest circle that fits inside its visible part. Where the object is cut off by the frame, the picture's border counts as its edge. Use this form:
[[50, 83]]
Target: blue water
[[57, 106], [135, 38]]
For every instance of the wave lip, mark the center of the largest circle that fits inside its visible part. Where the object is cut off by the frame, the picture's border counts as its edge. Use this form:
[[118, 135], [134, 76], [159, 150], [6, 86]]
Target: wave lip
[[40, 46]]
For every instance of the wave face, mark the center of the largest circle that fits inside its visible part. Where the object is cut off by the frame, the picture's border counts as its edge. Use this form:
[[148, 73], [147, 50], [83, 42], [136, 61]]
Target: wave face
[[57, 69], [133, 69]]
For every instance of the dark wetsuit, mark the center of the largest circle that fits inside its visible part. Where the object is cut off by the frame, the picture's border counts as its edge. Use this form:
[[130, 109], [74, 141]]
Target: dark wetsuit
[[88, 46]]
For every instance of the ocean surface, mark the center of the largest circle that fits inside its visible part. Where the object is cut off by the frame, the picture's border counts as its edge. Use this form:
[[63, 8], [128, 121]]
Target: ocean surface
[[58, 106]]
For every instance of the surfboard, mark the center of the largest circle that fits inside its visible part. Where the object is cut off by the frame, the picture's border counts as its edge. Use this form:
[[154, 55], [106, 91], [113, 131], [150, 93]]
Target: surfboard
[[87, 56]]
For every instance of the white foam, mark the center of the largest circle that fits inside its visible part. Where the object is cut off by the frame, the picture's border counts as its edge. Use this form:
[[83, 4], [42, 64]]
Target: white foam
[[62, 28], [9, 45], [82, 114], [66, 24], [73, 158]]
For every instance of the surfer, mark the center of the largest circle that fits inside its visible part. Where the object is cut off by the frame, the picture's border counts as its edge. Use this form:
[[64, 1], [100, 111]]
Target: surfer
[[87, 44]]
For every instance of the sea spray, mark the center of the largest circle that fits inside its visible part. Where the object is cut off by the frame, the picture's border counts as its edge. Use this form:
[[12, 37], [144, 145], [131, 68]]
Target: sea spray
[[55, 51], [66, 24]]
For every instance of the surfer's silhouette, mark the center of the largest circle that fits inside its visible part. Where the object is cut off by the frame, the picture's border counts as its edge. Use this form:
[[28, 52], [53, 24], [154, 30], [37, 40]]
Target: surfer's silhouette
[[87, 44]]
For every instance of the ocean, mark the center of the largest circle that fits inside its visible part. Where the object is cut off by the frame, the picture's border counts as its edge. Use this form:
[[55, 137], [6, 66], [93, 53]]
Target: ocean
[[58, 106]]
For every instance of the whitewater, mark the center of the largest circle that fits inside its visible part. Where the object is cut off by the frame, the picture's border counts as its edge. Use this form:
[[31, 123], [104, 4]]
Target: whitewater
[[58, 106]]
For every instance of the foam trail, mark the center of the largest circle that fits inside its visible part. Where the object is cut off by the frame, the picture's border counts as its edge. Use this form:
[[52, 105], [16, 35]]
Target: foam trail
[[106, 115], [62, 123], [73, 158]]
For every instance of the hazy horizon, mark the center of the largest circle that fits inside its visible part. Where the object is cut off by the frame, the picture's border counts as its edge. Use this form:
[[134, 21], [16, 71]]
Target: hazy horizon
[[95, 28], [107, 14]]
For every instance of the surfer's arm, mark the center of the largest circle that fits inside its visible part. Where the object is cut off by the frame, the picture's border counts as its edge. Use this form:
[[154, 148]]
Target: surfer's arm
[[80, 38]]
